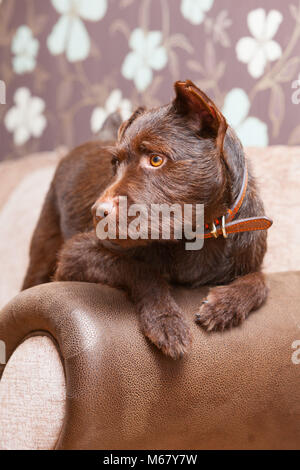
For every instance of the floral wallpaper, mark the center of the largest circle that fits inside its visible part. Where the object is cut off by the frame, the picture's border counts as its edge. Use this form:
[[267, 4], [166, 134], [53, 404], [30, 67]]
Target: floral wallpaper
[[66, 64]]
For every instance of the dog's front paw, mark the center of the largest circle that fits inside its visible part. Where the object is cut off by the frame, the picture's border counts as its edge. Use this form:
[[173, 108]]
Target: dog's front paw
[[168, 331], [221, 310]]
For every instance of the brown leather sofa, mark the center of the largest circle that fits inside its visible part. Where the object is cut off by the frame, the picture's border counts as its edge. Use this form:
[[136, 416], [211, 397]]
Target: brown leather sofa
[[239, 389]]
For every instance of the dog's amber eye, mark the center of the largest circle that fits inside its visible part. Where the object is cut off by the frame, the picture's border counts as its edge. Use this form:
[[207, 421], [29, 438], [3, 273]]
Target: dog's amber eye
[[115, 163], [156, 160]]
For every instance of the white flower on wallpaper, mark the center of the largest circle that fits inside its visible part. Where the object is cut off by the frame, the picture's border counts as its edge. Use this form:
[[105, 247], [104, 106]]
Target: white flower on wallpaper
[[251, 130], [115, 102], [25, 48], [147, 53], [194, 10], [69, 34], [256, 51], [26, 118]]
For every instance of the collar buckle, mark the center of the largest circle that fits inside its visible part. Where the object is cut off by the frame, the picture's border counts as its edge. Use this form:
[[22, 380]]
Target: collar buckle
[[214, 230], [225, 235]]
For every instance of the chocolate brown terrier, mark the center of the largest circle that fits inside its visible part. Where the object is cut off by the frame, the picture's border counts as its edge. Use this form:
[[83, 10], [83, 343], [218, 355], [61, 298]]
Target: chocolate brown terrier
[[183, 153]]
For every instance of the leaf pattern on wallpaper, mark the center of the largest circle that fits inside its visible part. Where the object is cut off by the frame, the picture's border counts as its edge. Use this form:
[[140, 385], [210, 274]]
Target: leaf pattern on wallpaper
[[6, 12], [217, 28], [78, 60], [64, 94], [276, 108], [294, 138], [211, 72], [289, 71]]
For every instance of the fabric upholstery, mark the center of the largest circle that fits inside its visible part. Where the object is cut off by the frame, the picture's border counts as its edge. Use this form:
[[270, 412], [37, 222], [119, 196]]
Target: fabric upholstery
[[237, 389], [32, 397], [278, 174], [24, 184]]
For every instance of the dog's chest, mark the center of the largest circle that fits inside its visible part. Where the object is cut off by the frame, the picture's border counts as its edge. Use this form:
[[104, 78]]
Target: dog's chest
[[180, 266]]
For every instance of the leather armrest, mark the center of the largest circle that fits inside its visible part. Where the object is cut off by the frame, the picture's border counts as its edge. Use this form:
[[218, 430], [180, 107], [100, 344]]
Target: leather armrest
[[237, 389]]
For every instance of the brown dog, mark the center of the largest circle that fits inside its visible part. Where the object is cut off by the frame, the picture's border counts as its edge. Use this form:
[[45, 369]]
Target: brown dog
[[182, 153]]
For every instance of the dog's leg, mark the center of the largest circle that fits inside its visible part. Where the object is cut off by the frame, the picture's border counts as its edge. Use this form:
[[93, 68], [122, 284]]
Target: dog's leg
[[83, 258], [229, 305], [45, 244]]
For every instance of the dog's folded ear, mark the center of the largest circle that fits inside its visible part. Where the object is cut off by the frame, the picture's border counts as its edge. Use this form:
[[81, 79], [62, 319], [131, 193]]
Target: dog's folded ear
[[191, 102], [127, 123]]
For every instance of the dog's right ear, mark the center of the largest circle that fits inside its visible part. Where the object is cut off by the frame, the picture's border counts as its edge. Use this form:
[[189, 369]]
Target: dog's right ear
[[194, 104], [129, 121]]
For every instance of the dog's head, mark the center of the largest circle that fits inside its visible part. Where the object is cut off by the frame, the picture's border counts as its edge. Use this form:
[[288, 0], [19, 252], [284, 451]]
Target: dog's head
[[170, 155]]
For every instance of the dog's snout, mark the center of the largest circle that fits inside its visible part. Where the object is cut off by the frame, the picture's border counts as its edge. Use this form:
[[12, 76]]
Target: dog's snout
[[102, 209]]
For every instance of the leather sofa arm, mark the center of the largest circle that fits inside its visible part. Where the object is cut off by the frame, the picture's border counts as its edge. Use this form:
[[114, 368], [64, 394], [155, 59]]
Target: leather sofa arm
[[237, 389]]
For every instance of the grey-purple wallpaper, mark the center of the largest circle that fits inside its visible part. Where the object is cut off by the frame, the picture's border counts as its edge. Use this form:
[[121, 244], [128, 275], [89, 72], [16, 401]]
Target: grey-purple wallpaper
[[66, 64]]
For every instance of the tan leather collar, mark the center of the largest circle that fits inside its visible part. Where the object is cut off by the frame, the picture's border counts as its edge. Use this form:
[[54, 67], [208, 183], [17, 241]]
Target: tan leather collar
[[224, 226]]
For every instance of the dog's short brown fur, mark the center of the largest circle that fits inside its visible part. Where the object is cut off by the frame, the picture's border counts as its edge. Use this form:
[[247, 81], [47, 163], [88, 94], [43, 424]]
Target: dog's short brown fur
[[204, 163]]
